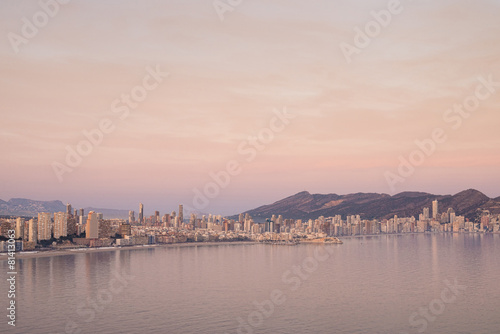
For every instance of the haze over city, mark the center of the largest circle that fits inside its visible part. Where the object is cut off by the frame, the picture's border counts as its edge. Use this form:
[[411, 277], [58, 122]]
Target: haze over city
[[351, 117]]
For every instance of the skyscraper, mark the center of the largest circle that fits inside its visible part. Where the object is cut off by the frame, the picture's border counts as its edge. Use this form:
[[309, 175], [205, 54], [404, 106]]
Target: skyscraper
[[20, 228], [141, 213], [69, 210], [131, 217], [61, 224], [435, 209], [92, 228], [44, 226], [426, 213], [181, 214], [32, 231]]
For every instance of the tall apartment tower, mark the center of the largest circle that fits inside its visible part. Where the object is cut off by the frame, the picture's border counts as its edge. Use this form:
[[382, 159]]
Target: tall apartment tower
[[181, 214], [92, 228], [435, 209], [131, 217], [44, 226], [20, 228], [61, 224], [426, 213], [141, 213], [69, 210], [32, 231]]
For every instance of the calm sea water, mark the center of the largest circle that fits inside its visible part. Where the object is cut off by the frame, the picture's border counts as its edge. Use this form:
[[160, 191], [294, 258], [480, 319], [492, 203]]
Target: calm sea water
[[384, 284]]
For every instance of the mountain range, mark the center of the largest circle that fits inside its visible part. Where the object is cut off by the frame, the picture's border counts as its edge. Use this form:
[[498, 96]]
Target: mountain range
[[30, 208], [304, 205]]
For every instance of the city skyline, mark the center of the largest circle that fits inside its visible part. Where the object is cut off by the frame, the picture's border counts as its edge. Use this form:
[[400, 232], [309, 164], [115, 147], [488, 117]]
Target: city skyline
[[209, 84], [146, 212]]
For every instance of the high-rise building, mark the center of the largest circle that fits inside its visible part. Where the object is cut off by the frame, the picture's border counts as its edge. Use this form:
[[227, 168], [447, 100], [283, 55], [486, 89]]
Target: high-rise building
[[141, 213], [60, 224], [131, 217], [435, 209], [19, 228], [32, 231], [69, 210], [181, 214], [82, 212], [72, 225], [157, 217], [44, 226], [451, 215], [192, 220], [426, 213], [92, 228]]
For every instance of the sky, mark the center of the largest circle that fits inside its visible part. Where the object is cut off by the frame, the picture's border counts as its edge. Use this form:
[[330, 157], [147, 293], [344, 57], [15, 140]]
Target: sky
[[271, 97]]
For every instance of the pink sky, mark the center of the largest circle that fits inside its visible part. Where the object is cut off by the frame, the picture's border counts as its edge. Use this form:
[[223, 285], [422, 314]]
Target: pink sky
[[352, 121]]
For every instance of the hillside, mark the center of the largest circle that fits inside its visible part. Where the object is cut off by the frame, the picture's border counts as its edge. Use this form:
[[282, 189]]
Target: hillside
[[371, 205]]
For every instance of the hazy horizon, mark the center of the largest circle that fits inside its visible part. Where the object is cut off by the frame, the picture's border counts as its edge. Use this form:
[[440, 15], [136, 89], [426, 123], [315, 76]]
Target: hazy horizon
[[149, 210]]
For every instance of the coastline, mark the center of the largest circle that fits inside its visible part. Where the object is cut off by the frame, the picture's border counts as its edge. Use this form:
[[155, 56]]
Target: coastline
[[60, 252]]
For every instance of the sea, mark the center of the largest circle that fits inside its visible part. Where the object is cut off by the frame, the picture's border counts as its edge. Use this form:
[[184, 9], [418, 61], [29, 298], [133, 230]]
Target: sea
[[410, 283]]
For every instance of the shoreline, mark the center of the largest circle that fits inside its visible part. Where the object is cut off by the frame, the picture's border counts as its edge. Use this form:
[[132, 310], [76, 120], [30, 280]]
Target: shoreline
[[60, 252], [69, 251]]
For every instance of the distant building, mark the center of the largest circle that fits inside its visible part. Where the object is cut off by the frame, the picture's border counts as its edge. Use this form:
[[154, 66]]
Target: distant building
[[92, 228], [131, 217], [426, 213], [61, 224], [44, 226], [69, 210], [181, 214], [72, 228], [32, 231], [435, 209], [141, 213], [166, 220], [19, 228]]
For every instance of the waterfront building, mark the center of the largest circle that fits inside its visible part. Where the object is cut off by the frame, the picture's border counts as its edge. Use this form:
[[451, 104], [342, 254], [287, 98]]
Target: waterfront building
[[61, 224], [44, 226], [435, 209], [92, 228]]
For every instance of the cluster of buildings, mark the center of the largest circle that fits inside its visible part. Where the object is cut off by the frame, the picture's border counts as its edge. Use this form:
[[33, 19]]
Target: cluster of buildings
[[427, 221], [75, 229]]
